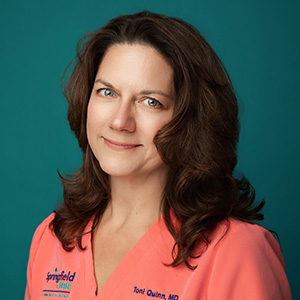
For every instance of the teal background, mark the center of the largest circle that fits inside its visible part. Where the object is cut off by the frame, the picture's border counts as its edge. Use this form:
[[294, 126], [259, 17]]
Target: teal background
[[259, 43]]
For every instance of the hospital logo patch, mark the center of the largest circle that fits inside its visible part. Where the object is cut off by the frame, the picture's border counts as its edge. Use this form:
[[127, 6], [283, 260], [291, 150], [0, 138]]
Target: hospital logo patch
[[59, 284]]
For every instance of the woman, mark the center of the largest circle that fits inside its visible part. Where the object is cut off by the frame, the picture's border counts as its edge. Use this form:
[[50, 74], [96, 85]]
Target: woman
[[154, 210]]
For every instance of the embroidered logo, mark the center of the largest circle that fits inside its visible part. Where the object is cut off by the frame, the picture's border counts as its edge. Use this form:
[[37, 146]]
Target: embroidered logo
[[59, 284]]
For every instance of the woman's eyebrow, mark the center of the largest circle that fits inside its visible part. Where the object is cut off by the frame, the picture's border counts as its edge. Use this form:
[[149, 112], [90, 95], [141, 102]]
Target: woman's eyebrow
[[104, 82], [149, 92]]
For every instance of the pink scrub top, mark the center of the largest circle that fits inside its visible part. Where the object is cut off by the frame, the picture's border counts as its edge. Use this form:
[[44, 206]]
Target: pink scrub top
[[244, 264]]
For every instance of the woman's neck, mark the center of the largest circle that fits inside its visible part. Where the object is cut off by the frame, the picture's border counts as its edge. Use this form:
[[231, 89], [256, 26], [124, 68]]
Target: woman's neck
[[135, 200]]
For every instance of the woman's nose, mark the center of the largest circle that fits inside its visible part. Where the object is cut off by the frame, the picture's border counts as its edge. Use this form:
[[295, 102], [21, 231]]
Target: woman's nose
[[123, 118]]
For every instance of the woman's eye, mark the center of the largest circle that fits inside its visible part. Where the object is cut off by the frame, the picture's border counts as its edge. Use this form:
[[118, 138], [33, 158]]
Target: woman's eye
[[106, 92], [152, 102]]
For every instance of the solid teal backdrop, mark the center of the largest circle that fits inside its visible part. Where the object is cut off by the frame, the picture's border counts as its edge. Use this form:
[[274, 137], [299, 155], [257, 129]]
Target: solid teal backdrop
[[259, 43]]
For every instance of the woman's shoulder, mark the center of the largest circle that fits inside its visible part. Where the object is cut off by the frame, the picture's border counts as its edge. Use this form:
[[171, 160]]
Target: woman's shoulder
[[44, 227], [250, 232], [252, 229], [42, 232], [44, 235], [239, 239], [247, 257], [46, 222], [247, 237]]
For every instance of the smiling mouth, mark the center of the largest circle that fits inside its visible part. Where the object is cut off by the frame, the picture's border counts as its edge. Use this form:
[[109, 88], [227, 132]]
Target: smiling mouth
[[119, 146]]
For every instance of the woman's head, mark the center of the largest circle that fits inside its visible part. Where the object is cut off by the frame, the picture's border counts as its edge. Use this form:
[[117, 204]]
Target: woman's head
[[203, 132]]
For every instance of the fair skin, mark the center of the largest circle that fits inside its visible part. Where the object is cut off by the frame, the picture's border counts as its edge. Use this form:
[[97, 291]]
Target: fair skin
[[132, 99]]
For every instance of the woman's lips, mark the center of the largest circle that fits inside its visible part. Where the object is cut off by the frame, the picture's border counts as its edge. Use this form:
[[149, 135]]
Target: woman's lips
[[119, 146]]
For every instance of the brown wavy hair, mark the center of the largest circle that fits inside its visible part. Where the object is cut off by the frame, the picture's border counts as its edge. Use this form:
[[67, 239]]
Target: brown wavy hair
[[198, 144]]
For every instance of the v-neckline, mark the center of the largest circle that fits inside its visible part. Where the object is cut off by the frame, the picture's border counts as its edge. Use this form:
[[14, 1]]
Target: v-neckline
[[124, 267]]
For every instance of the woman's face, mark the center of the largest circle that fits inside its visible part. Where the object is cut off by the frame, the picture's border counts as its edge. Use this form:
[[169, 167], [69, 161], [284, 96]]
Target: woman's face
[[132, 99]]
